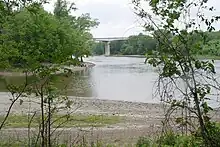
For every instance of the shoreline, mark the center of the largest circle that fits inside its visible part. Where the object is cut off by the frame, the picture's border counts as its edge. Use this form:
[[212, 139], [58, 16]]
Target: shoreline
[[88, 105], [138, 119], [131, 56], [71, 67], [201, 57]]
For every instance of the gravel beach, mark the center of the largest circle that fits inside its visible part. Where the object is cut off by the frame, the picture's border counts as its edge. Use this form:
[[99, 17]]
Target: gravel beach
[[139, 119]]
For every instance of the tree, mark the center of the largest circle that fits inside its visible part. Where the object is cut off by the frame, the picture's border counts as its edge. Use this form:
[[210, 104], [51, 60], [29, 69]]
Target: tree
[[81, 24], [116, 46], [185, 82], [62, 9], [98, 48], [138, 45], [84, 24], [40, 39], [212, 48]]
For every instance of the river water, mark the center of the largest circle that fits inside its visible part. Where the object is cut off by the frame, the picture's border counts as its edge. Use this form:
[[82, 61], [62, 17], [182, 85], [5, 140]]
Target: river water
[[126, 78], [122, 78], [112, 78]]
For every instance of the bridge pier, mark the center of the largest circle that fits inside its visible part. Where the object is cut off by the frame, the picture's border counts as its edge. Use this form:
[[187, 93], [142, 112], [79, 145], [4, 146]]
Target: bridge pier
[[107, 43], [107, 48]]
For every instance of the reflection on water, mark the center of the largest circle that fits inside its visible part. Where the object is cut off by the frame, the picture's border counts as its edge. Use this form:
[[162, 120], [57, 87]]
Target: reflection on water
[[77, 84]]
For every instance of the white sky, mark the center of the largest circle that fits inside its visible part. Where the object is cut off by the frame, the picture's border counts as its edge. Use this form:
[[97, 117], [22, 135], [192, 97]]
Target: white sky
[[116, 17]]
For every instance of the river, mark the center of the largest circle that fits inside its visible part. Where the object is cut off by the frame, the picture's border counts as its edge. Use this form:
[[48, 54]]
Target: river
[[122, 78], [112, 78], [127, 78]]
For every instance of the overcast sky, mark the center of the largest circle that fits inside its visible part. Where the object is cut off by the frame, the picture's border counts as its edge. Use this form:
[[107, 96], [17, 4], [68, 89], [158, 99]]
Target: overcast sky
[[116, 17]]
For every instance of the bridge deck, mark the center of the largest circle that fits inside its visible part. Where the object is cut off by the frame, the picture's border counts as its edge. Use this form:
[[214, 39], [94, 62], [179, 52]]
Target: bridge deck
[[110, 38]]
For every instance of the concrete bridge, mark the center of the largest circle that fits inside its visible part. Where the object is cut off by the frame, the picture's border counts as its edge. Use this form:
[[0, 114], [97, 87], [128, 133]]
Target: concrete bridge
[[107, 42]]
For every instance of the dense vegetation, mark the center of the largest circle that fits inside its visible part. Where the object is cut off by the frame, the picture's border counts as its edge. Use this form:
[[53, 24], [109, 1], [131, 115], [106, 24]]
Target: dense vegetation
[[29, 34], [142, 44]]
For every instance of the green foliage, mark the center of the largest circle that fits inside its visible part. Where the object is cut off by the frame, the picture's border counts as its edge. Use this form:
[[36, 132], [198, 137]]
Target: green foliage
[[98, 48], [180, 141], [116, 47], [40, 39], [170, 139], [62, 9], [143, 142], [81, 25], [135, 45], [175, 56], [40, 43], [67, 121], [32, 36], [213, 130], [204, 44], [139, 45], [212, 48]]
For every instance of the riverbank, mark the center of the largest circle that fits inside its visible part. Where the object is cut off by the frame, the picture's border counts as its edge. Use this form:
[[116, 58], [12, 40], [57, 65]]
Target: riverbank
[[202, 57], [132, 56], [139, 119], [81, 67]]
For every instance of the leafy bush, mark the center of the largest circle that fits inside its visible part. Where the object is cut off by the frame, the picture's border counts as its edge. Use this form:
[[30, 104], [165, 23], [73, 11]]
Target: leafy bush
[[143, 142], [169, 138], [188, 141], [213, 133]]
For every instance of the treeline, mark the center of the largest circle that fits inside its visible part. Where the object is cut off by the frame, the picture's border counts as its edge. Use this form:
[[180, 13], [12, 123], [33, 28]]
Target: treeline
[[142, 44], [29, 34], [135, 45]]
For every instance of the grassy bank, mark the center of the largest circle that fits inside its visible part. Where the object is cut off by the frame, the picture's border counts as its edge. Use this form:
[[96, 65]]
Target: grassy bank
[[62, 121]]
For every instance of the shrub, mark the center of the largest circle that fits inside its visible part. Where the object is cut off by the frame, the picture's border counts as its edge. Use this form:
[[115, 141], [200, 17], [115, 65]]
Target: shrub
[[143, 142], [169, 138]]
